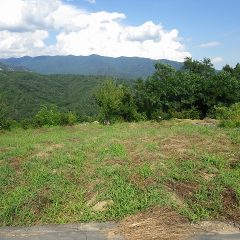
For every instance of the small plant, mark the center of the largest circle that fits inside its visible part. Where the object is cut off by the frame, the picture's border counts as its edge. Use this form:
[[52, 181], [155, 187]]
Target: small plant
[[145, 171]]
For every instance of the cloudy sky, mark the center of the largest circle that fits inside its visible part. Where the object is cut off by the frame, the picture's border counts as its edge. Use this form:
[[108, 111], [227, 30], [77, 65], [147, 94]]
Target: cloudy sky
[[157, 29]]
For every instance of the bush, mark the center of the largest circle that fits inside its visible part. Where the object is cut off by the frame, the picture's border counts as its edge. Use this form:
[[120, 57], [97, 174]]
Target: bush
[[68, 118], [5, 124], [229, 116], [47, 115]]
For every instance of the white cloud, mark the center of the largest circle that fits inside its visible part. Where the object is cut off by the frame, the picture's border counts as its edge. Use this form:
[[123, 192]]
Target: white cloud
[[27, 15], [20, 44], [210, 44], [216, 60], [24, 29]]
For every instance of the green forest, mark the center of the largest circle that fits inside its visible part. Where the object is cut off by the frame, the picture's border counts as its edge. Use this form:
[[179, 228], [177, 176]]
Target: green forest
[[196, 91]]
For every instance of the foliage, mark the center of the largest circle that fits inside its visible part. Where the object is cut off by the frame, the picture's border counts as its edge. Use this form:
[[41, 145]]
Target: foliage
[[68, 118], [25, 92], [27, 123], [116, 103], [229, 116], [194, 91], [5, 123], [189, 93], [48, 115]]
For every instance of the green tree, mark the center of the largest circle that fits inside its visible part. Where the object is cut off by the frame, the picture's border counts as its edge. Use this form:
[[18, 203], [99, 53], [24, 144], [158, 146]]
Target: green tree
[[192, 92], [116, 102], [204, 68]]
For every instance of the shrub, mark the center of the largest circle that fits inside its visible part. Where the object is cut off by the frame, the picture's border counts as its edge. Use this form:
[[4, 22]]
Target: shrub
[[5, 124], [68, 118], [229, 116], [47, 115]]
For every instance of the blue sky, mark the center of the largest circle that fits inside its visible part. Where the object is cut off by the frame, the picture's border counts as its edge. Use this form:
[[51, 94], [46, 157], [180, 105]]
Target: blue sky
[[155, 29], [198, 22]]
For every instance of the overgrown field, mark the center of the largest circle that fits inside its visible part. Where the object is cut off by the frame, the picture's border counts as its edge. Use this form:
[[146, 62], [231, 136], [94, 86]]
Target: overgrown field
[[91, 172]]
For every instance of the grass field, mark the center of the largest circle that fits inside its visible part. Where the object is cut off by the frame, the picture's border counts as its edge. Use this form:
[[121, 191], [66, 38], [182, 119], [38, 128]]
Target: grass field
[[91, 172]]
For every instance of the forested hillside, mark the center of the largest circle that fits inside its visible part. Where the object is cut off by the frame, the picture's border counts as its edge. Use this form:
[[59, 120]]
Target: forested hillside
[[24, 92], [7, 67]]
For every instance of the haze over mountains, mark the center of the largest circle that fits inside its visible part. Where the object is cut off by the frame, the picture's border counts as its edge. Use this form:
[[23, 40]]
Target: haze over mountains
[[9, 68], [122, 67]]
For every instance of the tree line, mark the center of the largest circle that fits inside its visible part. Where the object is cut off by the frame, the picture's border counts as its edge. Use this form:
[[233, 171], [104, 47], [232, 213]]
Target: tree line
[[196, 91]]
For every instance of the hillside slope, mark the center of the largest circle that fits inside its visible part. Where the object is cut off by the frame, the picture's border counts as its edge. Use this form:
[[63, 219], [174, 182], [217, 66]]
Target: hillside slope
[[24, 92], [123, 67]]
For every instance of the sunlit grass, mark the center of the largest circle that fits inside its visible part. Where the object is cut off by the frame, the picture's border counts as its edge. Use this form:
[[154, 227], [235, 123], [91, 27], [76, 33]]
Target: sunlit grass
[[58, 175]]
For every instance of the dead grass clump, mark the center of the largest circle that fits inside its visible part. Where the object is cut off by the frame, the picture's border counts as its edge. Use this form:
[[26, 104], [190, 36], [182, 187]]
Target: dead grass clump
[[157, 223], [48, 150], [178, 145]]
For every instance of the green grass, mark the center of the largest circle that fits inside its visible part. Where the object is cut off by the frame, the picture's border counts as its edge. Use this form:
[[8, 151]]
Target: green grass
[[58, 174]]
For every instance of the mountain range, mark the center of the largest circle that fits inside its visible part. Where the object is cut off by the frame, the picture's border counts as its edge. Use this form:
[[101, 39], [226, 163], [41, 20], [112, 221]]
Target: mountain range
[[122, 67]]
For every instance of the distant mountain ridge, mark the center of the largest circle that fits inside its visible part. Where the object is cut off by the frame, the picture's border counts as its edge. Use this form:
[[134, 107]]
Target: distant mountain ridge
[[123, 67]]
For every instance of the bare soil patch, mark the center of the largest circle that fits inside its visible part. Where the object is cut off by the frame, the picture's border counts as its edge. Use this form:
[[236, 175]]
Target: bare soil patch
[[183, 190]]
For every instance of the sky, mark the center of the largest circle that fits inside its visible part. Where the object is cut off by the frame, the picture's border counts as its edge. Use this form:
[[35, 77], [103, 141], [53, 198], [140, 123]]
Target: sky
[[157, 29]]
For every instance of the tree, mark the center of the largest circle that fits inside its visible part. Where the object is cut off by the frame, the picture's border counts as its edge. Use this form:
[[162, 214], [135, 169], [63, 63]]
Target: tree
[[204, 68], [228, 68], [236, 71], [116, 102], [191, 92]]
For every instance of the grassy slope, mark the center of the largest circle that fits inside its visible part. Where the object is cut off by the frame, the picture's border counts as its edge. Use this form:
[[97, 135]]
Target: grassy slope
[[58, 175]]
